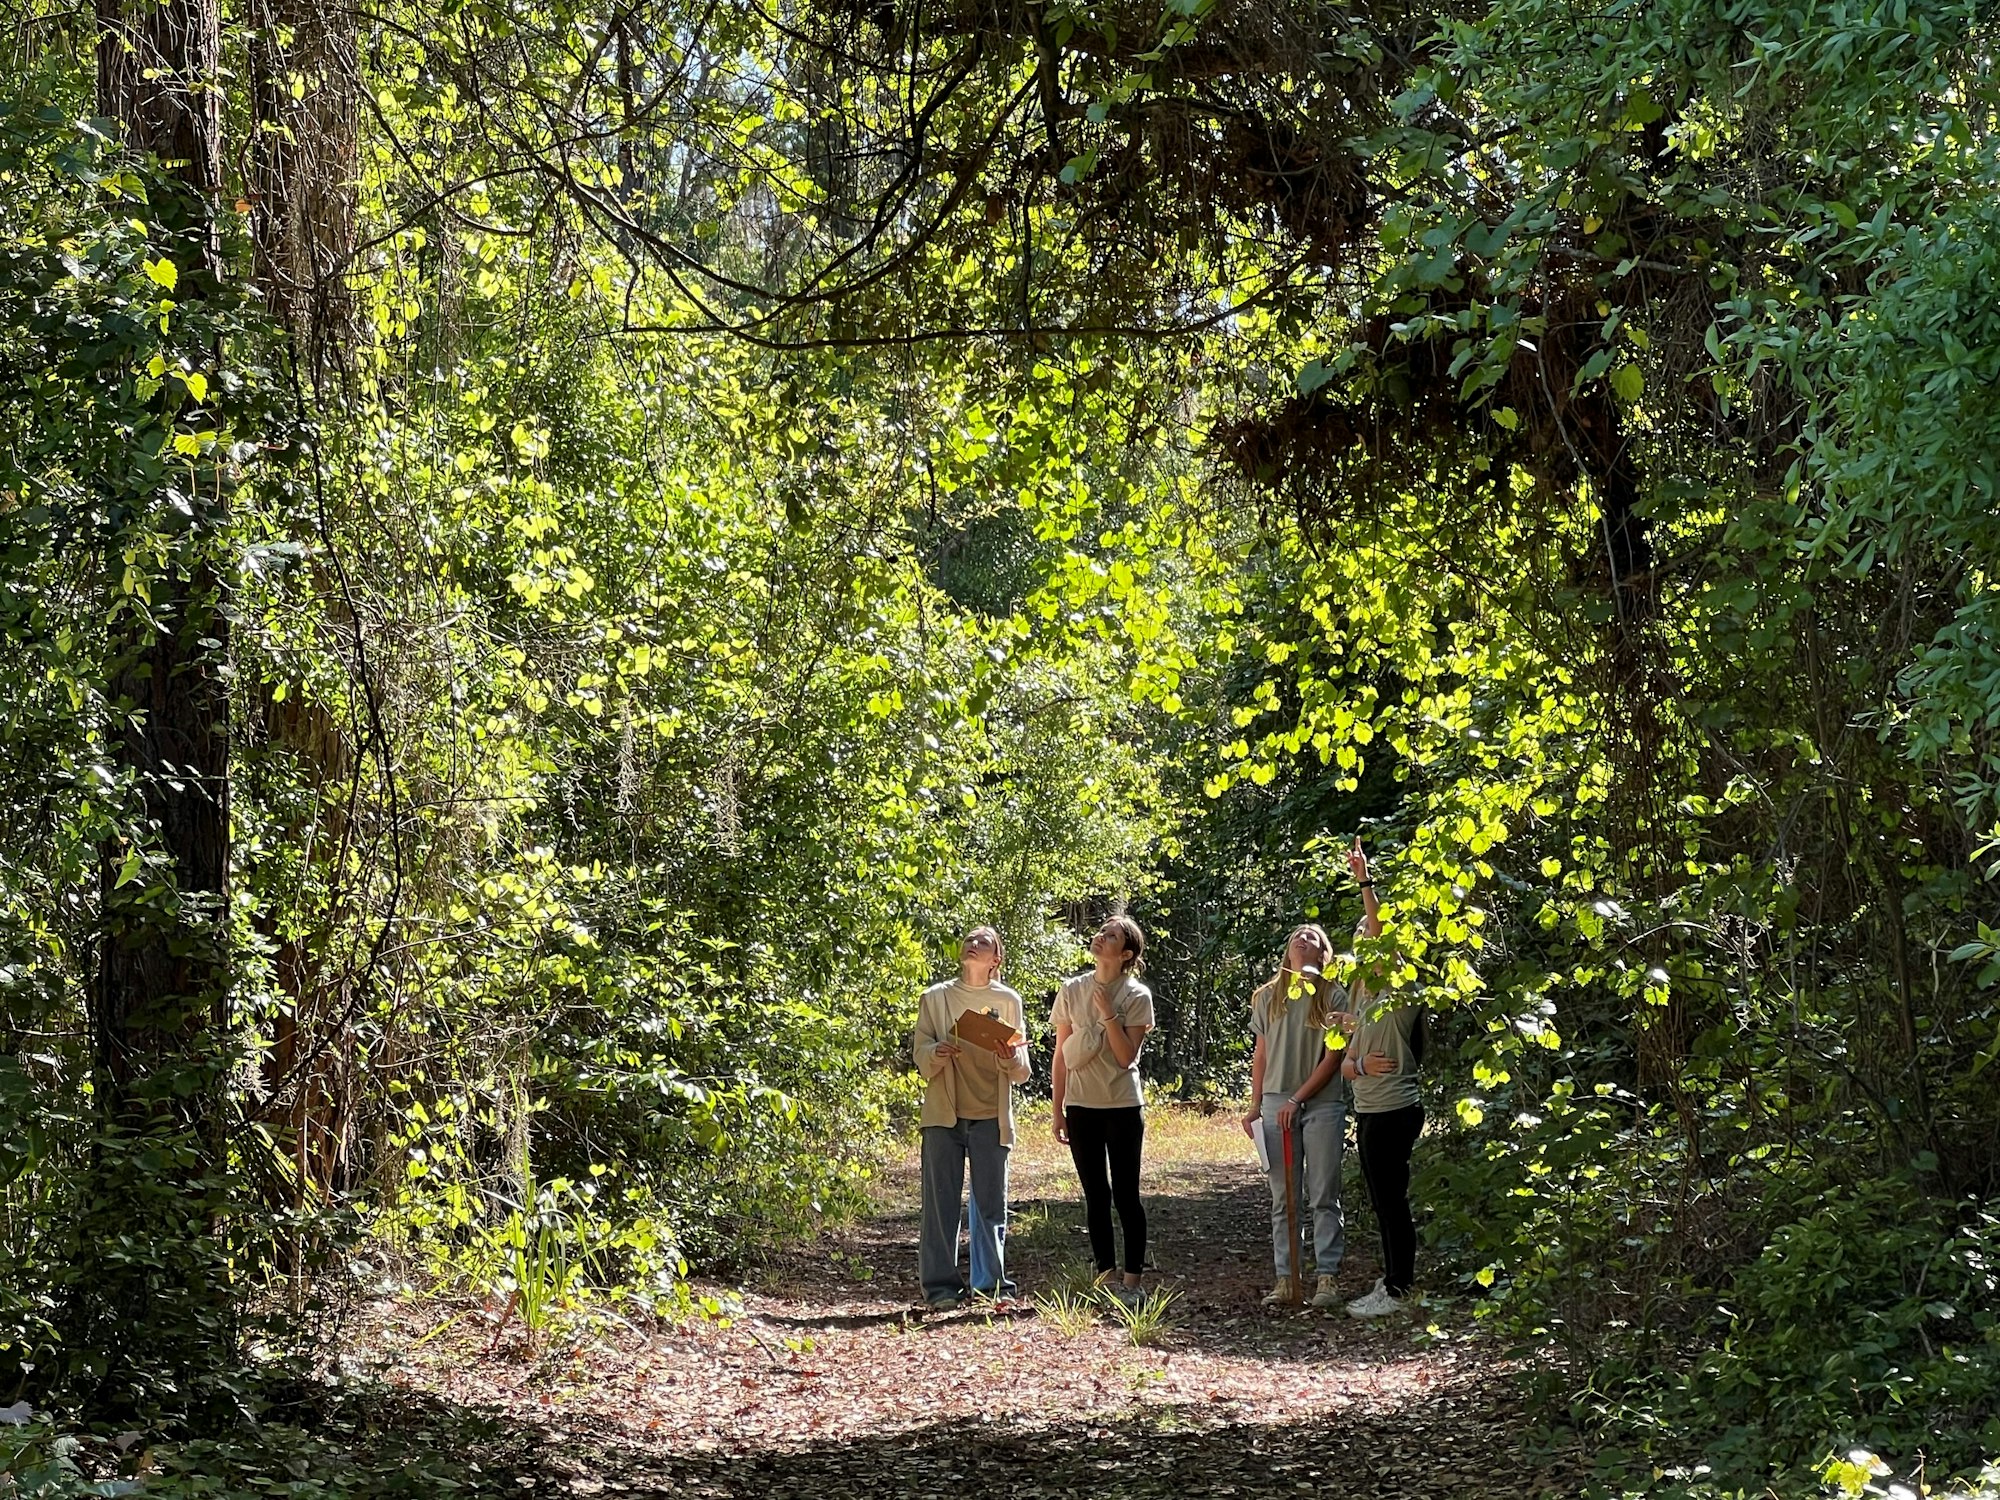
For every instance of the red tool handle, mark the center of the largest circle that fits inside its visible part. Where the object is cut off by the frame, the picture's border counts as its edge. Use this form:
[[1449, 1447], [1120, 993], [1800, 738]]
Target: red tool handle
[[1292, 1211]]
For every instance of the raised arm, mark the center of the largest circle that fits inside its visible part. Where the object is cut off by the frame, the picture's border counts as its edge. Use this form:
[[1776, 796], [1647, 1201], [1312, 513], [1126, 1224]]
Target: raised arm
[[1018, 1066], [1371, 909], [1078, 1045]]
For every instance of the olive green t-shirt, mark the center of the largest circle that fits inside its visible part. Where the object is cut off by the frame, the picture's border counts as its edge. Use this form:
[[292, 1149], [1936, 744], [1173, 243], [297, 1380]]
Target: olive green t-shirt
[[1391, 1034], [1293, 1044]]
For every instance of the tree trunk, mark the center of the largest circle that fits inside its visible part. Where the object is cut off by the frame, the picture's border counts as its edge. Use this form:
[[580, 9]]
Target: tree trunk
[[305, 119], [303, 163], [149, 1305]]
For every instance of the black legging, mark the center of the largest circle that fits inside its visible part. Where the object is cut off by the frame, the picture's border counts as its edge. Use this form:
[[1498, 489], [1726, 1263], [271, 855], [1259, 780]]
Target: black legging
[[1384, 1143], [1110, 1137]]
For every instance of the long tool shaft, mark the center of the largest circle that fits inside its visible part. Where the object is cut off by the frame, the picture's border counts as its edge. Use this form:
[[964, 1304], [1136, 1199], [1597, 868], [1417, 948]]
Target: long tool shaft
[[1292, 1210]]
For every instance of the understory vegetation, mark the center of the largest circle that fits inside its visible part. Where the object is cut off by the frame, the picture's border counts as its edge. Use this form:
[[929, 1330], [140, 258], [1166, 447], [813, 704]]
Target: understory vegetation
[[555, 556]]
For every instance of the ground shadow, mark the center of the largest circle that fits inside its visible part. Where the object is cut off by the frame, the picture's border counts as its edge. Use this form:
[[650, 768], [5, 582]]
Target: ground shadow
[[356, 1439], [390, 1441], [879, 1318], [1428, 1447]]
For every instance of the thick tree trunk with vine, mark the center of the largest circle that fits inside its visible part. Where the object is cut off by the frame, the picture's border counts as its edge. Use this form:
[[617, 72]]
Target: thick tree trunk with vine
[[303, 161], [149, 1304], [302, 194], [309, 1079]]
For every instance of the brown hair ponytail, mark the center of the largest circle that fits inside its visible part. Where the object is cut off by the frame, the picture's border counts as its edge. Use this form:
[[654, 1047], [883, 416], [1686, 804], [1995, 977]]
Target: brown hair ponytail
[[1135, 942]]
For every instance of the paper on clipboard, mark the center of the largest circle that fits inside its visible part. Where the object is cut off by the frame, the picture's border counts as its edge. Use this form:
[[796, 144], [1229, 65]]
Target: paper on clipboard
[[1263, 1146]]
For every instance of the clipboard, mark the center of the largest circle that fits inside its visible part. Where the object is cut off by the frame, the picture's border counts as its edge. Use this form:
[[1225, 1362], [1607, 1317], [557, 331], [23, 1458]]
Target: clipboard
[[985, 1030]]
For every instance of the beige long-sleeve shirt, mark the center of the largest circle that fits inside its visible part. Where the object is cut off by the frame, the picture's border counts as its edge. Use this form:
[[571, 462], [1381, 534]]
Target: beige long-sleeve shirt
[[975, 1085]]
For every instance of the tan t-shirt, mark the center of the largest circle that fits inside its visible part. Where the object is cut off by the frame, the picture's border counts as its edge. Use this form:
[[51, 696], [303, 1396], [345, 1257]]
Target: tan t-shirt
[[982, 1085], [1094, 1078]]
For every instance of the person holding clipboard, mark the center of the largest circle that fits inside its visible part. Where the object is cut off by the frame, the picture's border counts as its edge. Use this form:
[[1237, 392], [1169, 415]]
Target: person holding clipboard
[[970, 1047]]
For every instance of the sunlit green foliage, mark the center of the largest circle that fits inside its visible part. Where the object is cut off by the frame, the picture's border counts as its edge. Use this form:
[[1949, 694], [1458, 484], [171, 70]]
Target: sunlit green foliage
[[785, 488]]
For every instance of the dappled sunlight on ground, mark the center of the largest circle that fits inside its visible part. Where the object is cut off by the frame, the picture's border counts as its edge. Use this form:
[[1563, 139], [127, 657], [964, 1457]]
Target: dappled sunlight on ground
[[825, 1360]]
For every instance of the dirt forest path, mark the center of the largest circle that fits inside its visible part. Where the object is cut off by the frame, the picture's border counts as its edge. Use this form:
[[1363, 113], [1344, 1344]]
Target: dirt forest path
[[830, 1382]]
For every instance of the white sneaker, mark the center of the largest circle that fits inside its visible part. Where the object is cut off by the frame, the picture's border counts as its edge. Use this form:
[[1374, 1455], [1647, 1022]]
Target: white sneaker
[[1377, 1304]]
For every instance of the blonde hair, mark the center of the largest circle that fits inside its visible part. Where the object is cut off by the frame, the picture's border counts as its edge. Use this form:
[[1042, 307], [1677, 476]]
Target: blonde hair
[[999, 948], [1319, 990]]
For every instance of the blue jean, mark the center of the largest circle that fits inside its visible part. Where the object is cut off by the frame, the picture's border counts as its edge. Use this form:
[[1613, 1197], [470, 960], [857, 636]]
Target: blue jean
[[1321, 1137], [948, 1151]]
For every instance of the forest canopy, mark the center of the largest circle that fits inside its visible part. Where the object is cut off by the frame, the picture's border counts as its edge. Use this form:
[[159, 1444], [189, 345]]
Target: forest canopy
[[555, 556]]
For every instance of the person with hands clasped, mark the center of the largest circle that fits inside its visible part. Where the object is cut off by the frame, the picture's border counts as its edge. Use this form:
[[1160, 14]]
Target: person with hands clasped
[[968, 1120], [1295, 1094], [1101, 1019], [1388, 1113]]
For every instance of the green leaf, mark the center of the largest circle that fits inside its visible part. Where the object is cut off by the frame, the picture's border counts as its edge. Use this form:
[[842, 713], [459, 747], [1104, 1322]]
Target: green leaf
[[162, 273], [1079, 167], [1641, 110], [1485, 240]]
